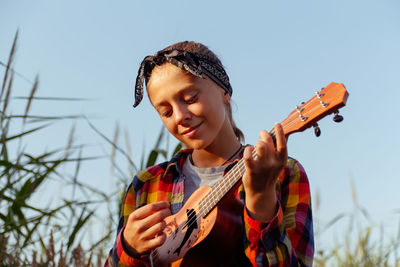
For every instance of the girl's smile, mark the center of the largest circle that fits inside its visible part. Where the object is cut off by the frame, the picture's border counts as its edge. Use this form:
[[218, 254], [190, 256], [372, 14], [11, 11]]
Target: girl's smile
[[191, 132]]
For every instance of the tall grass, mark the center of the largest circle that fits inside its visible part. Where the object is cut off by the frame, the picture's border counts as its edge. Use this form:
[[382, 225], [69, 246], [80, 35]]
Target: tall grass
[[32, 234], [360, 244], [28, 225]]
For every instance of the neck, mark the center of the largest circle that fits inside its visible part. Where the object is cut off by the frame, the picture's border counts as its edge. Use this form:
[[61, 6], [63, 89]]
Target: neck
[[217, 153]]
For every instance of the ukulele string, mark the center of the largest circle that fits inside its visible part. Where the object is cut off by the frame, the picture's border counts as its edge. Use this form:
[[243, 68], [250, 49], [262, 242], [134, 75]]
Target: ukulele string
[[205, 207], [215, 195], [289, 121]]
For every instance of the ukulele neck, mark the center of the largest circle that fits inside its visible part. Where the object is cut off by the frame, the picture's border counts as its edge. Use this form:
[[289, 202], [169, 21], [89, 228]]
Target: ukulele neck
[[327, 101]]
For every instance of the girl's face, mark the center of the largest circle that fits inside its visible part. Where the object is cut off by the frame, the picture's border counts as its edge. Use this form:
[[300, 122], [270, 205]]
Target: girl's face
[[192, 108]]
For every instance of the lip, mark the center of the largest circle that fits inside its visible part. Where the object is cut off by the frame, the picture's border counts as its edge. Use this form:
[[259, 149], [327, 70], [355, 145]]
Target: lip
[[192, 130]]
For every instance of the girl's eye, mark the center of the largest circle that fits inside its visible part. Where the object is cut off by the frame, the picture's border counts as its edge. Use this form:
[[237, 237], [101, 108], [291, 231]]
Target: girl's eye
[[166, 113], [191, 99]]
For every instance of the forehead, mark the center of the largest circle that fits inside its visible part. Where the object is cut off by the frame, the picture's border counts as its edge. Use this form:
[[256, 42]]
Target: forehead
[[165, 71], [167, 79]]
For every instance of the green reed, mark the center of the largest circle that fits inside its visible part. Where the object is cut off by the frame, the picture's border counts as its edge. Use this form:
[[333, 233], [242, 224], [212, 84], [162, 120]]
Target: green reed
[[33, 235], [27, 227]]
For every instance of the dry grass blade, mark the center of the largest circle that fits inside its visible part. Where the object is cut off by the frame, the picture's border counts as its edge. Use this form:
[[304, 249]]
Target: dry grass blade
[[111, 143], [160, 138], [44, 118], [89, 263], [20, 135], [128, 150], [75, 178], [7, 98], [99, 259], [83, 218], [33, 91], [51, 253], [114, 150], [53, 98], [3, 247], [70, 140], [317, 200], [10, 60], [78, 256], [334, 220], [4, 133], [62, 261]]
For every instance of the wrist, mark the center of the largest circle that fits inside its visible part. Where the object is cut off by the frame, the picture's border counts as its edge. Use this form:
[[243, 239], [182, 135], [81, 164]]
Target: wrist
[[128, 248], [261, 207]]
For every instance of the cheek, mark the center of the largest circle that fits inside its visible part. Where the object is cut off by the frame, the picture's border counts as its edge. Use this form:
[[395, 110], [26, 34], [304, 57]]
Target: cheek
[[168, 123], [216, 112], [197, 109]]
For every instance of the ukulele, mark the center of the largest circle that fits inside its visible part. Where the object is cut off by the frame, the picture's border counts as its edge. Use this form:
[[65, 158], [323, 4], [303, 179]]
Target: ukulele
[[208, 228]]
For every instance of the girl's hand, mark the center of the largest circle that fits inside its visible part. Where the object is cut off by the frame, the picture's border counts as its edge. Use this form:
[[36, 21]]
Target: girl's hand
[[259, 179], [144, 228]]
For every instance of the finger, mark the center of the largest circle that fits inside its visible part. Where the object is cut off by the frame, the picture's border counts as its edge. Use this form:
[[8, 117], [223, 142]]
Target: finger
[[155, 242], [155, 230], [149, 209], [247, 156], [155, 218], [280, 138], [261, 149], [265, 136]]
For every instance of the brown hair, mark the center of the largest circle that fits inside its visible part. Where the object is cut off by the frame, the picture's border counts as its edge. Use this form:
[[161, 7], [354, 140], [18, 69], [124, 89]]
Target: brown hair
[[202, 49]]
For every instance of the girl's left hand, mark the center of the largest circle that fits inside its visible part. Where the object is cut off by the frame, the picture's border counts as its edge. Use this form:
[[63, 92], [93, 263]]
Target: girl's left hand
[[260, 177]]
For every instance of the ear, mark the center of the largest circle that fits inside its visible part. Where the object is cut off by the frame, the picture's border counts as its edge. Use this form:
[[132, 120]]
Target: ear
[[226, 97]]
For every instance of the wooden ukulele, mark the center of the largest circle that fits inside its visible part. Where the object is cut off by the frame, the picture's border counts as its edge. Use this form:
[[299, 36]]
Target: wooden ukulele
[[214, 213]]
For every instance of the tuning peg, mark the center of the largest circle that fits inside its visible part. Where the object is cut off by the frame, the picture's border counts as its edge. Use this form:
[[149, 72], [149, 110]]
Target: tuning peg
[[337, 118], [317, 130]]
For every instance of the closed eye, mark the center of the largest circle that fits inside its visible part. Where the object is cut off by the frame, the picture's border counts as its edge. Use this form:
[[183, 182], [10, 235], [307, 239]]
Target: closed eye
[[191, 100], [166, 113]]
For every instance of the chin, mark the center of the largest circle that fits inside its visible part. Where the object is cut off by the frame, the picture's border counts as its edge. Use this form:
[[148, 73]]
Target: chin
[[197, 144]]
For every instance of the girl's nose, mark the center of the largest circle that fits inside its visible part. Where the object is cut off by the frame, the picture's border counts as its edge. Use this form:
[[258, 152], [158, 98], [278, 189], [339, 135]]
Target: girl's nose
[[181, 114]]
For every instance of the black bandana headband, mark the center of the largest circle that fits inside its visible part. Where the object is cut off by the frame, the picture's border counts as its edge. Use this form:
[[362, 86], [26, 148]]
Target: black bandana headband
[[195, 63]]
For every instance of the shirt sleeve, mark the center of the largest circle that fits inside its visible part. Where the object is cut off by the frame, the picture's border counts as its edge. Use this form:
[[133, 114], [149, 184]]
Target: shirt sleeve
[[118, 255], [286, 240]]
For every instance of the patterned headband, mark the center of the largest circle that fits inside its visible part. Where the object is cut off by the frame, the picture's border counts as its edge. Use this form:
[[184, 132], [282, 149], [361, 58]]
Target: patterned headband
[[195, 63]]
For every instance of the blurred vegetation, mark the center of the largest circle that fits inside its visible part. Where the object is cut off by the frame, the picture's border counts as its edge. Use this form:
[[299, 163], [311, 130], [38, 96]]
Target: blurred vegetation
[[35, 235], [362, 243]]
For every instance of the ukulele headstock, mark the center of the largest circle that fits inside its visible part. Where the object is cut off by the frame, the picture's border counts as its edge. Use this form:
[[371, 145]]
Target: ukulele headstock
[[327, 101]]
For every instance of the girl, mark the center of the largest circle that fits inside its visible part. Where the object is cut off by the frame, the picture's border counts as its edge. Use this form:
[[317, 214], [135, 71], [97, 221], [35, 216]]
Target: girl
[[190, 90]]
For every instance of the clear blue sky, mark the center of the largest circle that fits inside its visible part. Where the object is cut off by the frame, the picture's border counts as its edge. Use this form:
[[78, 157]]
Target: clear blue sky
[[277, 53]]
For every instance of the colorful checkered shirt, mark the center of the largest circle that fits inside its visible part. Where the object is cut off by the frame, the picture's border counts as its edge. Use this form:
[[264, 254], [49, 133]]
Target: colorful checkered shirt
[[287, 240]]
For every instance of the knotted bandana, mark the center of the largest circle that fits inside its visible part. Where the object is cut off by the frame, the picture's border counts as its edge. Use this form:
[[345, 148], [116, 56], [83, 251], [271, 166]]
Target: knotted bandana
[[195, 63]]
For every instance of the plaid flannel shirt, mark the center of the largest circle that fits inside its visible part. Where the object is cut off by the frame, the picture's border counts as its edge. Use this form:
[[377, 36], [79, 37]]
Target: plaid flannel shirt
[[287, 240]]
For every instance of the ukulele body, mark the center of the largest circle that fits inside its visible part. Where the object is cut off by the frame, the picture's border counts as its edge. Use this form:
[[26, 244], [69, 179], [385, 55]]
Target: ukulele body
[[196, 241]]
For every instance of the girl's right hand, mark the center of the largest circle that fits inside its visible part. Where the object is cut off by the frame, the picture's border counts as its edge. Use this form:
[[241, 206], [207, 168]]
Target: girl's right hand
[[144, 228]]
